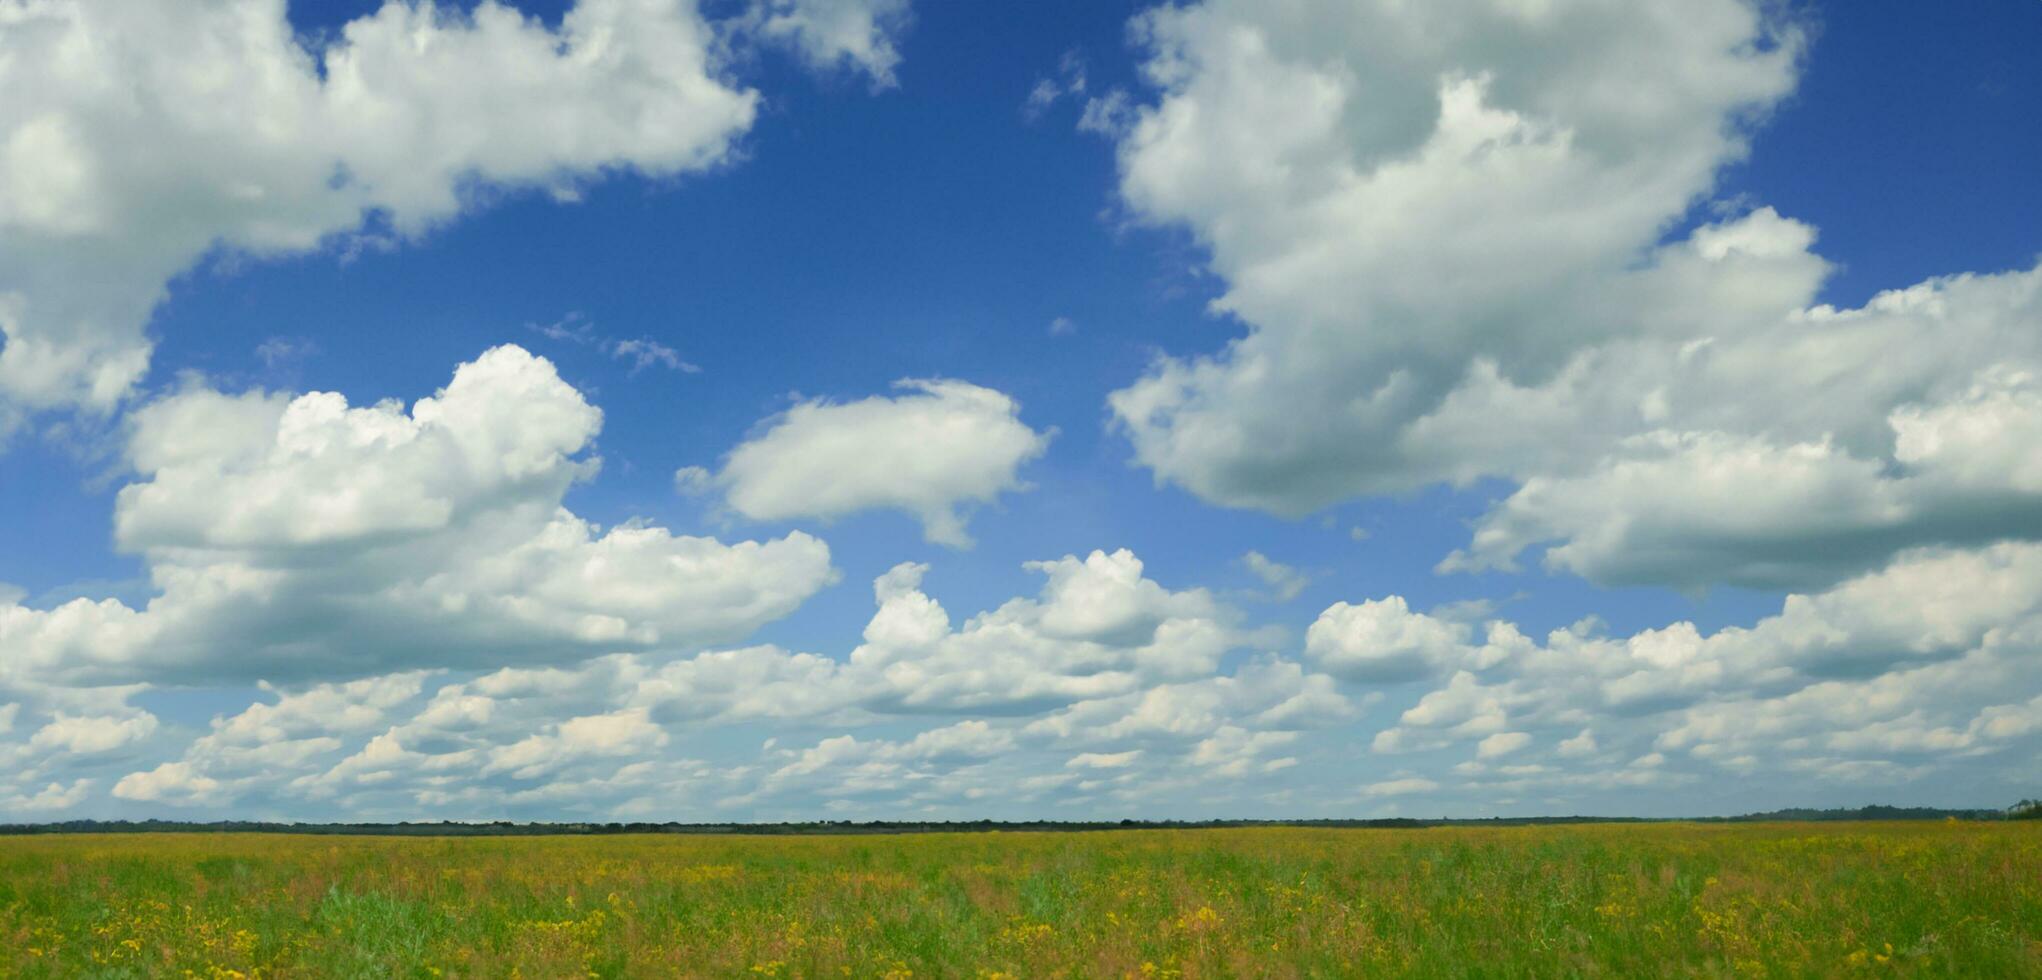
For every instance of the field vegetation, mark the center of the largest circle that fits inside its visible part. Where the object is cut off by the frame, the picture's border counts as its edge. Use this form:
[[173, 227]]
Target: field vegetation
[[1776, 899]]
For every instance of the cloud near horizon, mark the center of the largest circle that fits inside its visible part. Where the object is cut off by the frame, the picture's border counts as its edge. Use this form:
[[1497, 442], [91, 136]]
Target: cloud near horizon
[[1108, 692]]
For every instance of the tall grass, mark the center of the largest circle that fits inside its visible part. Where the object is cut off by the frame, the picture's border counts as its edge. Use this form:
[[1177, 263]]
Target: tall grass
[[1590, 900]]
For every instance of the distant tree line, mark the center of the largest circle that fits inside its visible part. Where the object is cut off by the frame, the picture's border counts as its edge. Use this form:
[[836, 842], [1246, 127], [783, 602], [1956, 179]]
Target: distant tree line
[[1875, 812], [2024, 810], [506, 828]]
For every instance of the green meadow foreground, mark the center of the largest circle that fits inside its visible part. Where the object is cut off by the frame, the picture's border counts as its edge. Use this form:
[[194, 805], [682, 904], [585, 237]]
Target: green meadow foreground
[[1621, 900]]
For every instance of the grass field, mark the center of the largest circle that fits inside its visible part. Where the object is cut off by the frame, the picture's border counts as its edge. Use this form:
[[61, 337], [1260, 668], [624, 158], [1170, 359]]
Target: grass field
[[1630, 900]]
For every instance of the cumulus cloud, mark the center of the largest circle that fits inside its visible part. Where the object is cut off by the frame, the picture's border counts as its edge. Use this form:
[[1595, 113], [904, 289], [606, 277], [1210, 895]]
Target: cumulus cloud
[[293, 537], [1382, 640], [1579, 745], [89, 735], [936, 449], [1102, 654], [1659, 509], [1442, 228], [52, 797], [1400, 787], [1501, 744], [1234, 752], [1098, 628], [1923, 660], [262, 146], [857, 34], [618, 733], [1106, 692], [171, 782], [1392, 194]]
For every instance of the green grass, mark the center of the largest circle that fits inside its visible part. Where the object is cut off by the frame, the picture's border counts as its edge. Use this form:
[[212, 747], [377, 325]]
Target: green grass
[[1587, 900]]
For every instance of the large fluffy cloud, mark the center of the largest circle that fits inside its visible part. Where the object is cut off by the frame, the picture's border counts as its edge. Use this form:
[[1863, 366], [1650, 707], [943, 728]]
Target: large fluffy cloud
[[938, 447], [259, 144], [1445, 227], [293, 537], [1394, 193]]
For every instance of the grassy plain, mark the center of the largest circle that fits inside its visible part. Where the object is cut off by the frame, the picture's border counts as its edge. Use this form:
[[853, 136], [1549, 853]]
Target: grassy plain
[[1611, 899]]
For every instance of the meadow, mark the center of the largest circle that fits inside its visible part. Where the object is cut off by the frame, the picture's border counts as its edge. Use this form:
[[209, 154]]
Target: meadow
[[1589, 900]]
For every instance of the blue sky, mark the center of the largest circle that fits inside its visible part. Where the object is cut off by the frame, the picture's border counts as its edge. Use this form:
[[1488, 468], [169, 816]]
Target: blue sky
[[1251, 222]]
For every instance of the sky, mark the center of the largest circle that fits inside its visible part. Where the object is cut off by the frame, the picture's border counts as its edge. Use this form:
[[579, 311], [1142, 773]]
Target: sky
[[857, 409]]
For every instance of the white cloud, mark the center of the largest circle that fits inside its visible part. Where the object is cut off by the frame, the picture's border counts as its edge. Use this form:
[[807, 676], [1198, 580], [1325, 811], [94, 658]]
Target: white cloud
[[1874, 680], [1108, 654], [1442, 226], [640, 352], [1266, 694], [277, 353], [939, 447], [270, 472], [1579, 745], [351, 707], [1073, 702], [1501, 744], [858, 34], [973, 739], [1067, 82], [259, 748], [1408, 786], [171, 782], [1234, 752], [1805, 514], [645, 352], [1099, 628], [295, 537], [1383, 641], [52, 797], [1285, 583], [620, 733], [1111, 114], [89, 735], [1464, 709], [260, 146], [1839, 681], [1394, 193]]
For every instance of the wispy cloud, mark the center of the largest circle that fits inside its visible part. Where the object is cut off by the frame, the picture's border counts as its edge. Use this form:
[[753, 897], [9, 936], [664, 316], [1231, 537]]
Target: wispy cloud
[[282, 352], [640, 352], [1285, 582], [1069, 81]]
